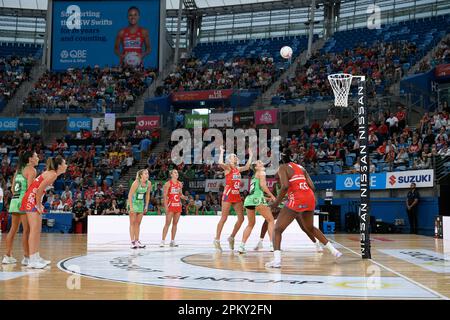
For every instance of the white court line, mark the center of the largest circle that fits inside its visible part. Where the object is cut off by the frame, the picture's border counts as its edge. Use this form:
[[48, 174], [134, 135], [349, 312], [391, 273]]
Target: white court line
[[397, 273]]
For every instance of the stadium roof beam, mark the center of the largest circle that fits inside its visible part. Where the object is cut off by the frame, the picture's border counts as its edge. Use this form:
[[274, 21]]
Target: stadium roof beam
[[243, 8], [27, 13]]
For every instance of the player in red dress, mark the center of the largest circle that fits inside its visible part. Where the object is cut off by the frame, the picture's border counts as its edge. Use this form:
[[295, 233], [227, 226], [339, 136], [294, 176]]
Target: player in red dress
[[173, 193], [296, 182], [132, 38], [32, 205], [231, 195]]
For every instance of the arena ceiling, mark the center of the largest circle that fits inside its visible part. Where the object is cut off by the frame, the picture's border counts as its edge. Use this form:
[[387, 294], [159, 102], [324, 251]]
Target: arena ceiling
[[174, 4]]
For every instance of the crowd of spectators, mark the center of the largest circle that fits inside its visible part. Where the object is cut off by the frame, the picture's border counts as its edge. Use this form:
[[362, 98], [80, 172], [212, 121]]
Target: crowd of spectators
[[13, 71], [83, 89], [241, 73], [440, 56], [381, 64]]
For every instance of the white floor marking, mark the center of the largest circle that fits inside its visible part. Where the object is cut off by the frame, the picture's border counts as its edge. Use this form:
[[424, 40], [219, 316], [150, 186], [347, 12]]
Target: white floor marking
[[397, 273], [165, 268]]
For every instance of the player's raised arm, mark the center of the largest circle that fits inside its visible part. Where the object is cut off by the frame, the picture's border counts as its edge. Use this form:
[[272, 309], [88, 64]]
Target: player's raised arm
[[263, 184], [222, 165], [249, 162]]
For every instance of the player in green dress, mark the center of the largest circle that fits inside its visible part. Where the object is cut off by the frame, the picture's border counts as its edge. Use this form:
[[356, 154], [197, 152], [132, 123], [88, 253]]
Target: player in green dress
[[24, 176], [138, 199], [275, 213], [256, 201]]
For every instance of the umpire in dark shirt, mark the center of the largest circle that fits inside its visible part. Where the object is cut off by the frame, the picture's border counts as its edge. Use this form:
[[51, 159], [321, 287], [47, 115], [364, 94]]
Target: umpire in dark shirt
[[411, 207]]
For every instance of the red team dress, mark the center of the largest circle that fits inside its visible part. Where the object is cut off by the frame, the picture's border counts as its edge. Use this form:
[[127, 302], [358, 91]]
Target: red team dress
[[300, 196], [29, 199], [173, 198], [232, 186], [132, 42]]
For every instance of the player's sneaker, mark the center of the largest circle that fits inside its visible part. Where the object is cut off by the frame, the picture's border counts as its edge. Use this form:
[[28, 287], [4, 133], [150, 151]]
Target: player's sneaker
[[273, 264], [173, 244], [217, 245], [46, 262], [133, 245], [231, 243], [241, 249], [318, 245], [259, 246], [162, 244], [8, 260], [35, 262], [140, 245], [25, 261]]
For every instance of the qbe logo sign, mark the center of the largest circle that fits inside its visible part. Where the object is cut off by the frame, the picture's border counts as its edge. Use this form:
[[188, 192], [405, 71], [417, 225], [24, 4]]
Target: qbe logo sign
[[73, 56], [8, 125]]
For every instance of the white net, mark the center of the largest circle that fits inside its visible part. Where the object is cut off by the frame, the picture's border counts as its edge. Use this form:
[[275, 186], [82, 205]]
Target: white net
[[340, 82]]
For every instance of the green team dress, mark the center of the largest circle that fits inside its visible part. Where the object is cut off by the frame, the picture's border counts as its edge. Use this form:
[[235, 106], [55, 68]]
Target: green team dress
[[20, 187], [256, 195], [139, 199]]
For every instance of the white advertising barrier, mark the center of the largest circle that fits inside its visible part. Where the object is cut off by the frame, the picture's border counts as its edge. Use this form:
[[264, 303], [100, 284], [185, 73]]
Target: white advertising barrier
[[213, 185], [106, 231], [221, 119], [446, 233], [403, 179]]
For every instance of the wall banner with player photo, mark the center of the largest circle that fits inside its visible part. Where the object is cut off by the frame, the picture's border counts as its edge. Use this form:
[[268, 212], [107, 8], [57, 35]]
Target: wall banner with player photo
[[125, 32], [108, 123], [221, 119]]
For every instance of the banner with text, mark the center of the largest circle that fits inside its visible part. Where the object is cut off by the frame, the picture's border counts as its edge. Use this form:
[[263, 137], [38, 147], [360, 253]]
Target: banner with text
[[221, 120], [147, 122], [403, 179], [266, 116], [77, 124], [182, 96], [243, 118], [8, 124], [325, 181], [190, 119], [29, 124], [349, 182], [89, 33]]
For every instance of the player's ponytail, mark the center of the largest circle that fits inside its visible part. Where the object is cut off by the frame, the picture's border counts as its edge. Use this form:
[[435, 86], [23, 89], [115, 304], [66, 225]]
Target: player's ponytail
[[54, 163], [24, 158], [50, 164], [139, 174]]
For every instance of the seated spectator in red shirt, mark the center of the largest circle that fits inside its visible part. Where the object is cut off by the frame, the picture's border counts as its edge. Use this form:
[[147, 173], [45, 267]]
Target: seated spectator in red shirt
[[381, 150]]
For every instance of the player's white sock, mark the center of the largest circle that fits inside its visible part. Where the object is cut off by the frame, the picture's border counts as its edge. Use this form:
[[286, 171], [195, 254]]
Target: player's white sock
[[277, 255], [333, 250]]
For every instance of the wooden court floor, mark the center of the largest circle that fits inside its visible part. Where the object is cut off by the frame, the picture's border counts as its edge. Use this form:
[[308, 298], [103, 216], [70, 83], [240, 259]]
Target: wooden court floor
[[402, 267]]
